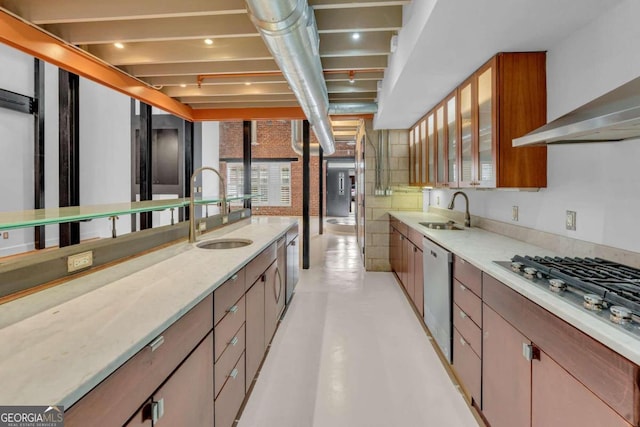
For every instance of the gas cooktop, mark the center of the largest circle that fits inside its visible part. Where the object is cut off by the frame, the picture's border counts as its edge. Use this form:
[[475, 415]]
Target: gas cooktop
[[608, 290]]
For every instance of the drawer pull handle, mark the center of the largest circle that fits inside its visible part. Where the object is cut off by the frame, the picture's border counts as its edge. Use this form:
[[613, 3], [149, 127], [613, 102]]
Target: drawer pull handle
[[234, 277], [233, 309], [234, 373], [463, 314], [462, 341], [234, 341], [462, 288], [155, 344]]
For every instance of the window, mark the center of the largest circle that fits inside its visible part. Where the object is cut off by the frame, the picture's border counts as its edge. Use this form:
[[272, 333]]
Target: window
[[270, 182]]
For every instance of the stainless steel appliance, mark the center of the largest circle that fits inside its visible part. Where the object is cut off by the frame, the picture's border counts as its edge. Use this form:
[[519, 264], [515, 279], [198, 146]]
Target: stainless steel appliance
[[437, 294], [606, 289]]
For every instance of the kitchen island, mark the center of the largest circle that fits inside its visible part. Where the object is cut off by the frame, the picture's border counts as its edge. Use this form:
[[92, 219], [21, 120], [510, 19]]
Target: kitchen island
[[60, 343]]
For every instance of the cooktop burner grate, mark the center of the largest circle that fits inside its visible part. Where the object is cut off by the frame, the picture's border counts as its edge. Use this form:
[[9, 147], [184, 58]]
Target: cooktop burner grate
[[617, 284]]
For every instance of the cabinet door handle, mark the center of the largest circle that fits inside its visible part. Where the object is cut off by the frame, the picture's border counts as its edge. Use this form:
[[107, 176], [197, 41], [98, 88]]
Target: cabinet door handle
[[463, 314], [155, 344], [278, 293], [293, 243], [530, 352], [462, 341], [233, 309], [234, 373], [157, 410], [234, 341], [462, 288], [234, 277], [263, 278]]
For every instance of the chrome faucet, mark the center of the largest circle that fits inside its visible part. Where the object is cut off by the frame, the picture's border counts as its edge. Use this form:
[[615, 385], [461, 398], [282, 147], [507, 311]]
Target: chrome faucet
[[192, 214], [467, 217]]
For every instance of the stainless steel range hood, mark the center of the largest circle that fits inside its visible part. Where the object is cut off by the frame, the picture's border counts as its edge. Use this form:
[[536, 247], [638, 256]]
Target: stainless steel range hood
[[614, 116]]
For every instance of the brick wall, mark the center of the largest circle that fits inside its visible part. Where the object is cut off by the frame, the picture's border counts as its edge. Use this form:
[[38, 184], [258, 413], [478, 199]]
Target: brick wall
[[274, 141]]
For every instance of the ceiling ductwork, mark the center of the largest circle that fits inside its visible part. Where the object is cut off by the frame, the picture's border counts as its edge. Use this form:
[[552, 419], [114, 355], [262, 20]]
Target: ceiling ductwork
[[296, 140], [288, 28], [348, 108]]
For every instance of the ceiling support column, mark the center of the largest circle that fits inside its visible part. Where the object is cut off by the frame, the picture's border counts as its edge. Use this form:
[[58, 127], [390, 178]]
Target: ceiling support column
[[146, 178], [246, 161], [38, 149], [321, 190], [69, 151], [188, 163], [306, 192]]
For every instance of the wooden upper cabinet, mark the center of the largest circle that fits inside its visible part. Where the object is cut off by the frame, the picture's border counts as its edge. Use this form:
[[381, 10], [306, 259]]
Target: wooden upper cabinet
[[418, 155], [475, 125], [412, 157]]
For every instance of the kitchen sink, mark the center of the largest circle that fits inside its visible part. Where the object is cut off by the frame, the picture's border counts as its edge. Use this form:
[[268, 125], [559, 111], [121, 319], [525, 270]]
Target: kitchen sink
[[224, 243], [442, 225]]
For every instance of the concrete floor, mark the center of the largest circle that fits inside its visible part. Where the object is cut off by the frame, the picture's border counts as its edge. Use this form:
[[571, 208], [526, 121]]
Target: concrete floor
[[350, 352]]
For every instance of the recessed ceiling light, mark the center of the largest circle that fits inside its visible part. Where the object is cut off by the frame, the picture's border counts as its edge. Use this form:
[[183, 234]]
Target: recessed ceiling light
[[208, 41], [183, 85], [247, 83], [119, 45], [355, 36]]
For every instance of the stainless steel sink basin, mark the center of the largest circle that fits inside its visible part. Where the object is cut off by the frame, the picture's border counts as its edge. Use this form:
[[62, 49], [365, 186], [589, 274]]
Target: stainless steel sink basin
[[224, 243], [442, 225]]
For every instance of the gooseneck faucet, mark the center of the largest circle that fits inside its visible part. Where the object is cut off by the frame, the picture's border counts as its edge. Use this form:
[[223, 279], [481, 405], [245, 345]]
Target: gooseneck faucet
[[192, 214], [467, 217]]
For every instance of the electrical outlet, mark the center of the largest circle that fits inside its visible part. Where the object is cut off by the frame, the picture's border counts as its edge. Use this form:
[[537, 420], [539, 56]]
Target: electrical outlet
[[225, 219], [5, 235], [202, 226], [570, 222], [79, 261], [514, 213]]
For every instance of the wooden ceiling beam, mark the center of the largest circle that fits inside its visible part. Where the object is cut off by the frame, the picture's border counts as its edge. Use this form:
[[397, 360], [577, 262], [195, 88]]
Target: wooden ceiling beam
[[25, 37]]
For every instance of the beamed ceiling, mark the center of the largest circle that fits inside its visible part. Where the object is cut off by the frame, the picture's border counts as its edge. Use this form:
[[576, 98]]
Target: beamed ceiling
[[163, 44]]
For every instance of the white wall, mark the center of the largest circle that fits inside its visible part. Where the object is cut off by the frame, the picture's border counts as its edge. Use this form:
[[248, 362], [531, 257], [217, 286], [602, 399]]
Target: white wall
[[16, 148], [105, 154], [211, 157], [599, 181]]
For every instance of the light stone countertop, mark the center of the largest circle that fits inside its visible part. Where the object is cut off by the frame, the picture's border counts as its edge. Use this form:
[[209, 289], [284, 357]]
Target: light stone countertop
[[481, 248], [56, 355]]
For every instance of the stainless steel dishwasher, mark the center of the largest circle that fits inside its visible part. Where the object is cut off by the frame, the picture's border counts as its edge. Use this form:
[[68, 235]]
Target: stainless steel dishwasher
[[437, 294]]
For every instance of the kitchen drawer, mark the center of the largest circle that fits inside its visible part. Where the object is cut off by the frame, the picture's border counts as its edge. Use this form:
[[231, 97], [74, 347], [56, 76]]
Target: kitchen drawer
[[469, 330], [227, 294], [399, 225], [469, 302], [416, 238], [259, 264], [115, 399], [228, 326], [230, 398], [467, 365], [228, 359], [467, 274]]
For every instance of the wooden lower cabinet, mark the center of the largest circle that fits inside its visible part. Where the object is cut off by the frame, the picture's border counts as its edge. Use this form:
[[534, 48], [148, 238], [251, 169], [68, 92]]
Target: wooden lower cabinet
[[468, 366], [255, 342], [409, 267], [187, 395], [418, 278], [558, 399], [506, 373]]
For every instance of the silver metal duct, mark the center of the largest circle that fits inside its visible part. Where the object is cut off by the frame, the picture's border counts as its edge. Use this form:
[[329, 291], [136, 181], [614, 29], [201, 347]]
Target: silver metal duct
[[288, 28], [614, 116], [347, 108]]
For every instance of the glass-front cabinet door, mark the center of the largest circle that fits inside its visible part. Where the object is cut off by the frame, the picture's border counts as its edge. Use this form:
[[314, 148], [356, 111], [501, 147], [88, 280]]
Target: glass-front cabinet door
[[412, 156], [441, 144], [417, 155], [466, 177], [423, 150], [452, 140], [486, 162], [431, 146]]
